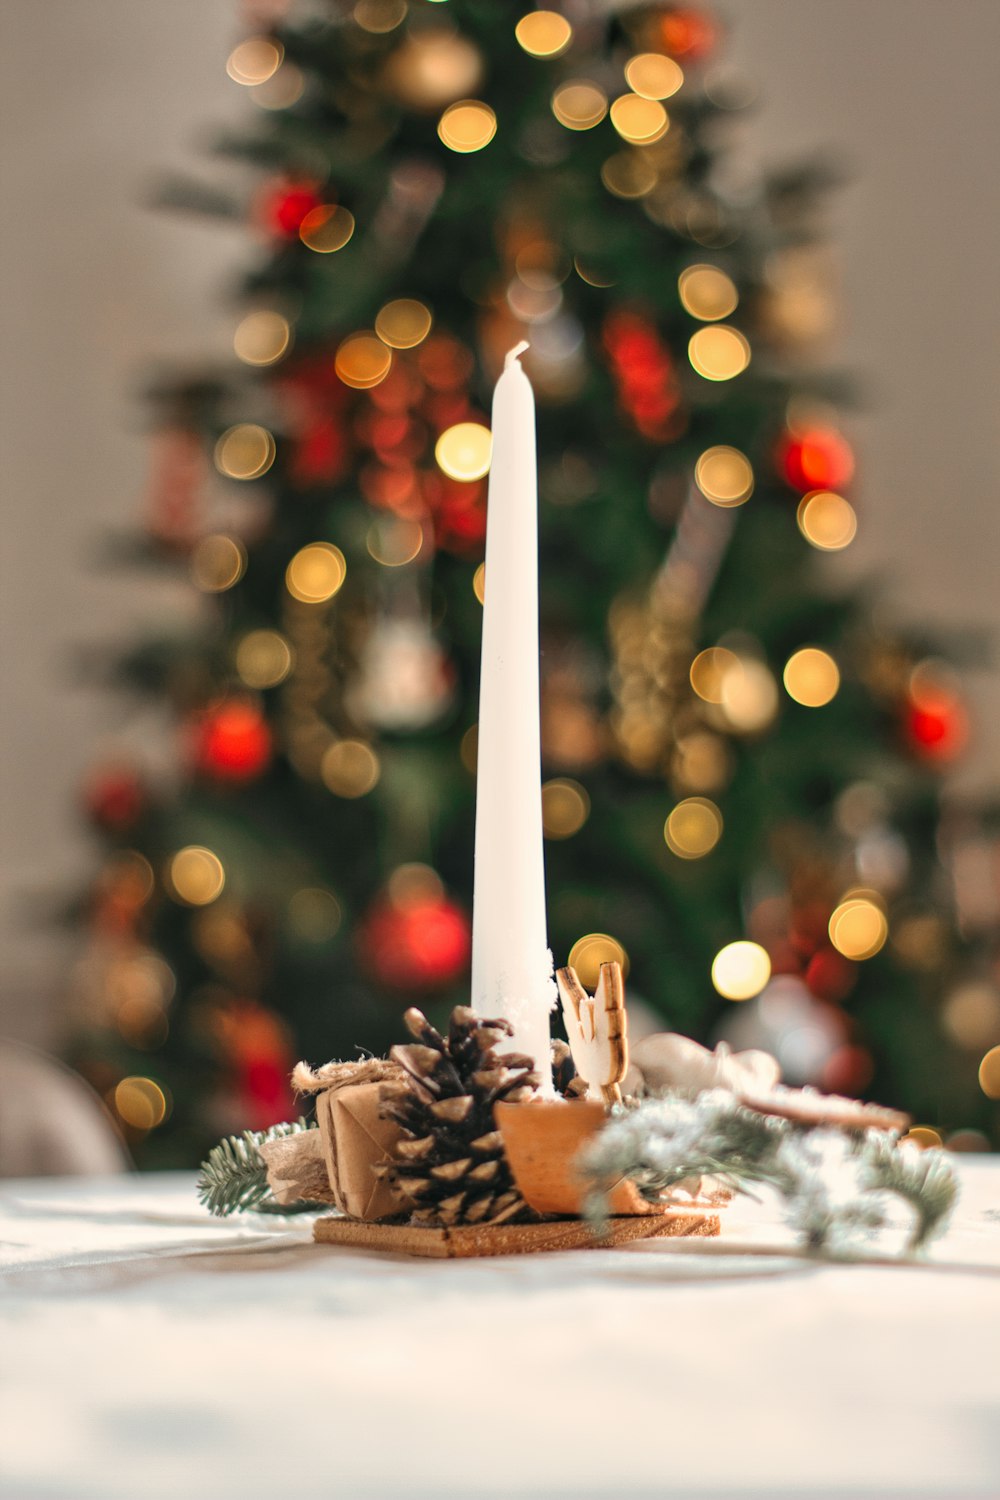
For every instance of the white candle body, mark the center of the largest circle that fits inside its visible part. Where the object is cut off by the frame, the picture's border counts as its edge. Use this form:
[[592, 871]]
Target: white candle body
[[511, 964]]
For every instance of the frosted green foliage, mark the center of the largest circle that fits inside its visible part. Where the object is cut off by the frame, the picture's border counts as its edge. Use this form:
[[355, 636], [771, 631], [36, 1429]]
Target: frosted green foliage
[[836, 1185]]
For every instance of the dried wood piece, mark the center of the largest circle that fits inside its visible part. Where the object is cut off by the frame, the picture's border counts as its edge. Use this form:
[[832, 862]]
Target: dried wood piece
[[807, 1107], [597, 1028]]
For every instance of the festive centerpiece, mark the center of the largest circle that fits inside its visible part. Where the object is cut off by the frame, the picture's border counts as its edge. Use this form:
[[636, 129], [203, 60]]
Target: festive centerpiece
[[487, 1139]]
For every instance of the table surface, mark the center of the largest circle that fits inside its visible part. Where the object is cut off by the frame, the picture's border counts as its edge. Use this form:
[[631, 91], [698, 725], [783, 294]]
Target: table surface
[[150, 1351]]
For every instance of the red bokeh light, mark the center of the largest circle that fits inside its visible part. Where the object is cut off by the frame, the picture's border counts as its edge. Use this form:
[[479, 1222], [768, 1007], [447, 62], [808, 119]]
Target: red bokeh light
[[819, 459], [233, 742]]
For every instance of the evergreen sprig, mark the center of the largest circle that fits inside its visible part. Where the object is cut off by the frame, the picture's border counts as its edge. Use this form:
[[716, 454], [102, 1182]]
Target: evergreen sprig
[[234, 1174], [833, 1182]]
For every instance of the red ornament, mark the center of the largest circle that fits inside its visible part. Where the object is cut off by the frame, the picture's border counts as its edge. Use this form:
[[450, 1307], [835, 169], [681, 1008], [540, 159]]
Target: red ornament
[[314, 400], [459, 513], [284, 204], [819, 459], [233, 742], [688, 33], [643, 372], [256, 1044], [829, 975], [937, 726], [417, 944], [115, 798]]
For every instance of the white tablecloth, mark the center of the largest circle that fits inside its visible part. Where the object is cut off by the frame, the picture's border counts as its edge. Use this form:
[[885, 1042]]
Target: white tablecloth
[[149, 1351]]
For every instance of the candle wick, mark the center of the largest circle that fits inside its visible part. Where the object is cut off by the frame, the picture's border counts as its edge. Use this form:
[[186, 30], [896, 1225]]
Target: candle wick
[[515, 353]]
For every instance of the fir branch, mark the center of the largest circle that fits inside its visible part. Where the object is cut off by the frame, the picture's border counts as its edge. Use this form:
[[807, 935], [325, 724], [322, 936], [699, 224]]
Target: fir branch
[[234, 1174], [833, 1182], [924, 1179]]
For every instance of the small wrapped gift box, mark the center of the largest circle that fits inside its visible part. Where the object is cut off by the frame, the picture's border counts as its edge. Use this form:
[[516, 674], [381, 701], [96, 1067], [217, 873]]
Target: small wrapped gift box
[[356, 1140]]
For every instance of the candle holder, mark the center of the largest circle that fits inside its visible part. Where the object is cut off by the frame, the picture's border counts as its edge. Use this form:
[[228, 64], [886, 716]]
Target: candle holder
[[448, 1149], [524, 1168]]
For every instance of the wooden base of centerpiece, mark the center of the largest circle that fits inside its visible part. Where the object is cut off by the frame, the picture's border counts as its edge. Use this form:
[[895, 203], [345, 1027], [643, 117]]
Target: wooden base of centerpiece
[[467, 1240]]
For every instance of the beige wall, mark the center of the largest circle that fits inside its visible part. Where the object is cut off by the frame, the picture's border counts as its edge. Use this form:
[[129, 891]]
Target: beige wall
[[98, 95]]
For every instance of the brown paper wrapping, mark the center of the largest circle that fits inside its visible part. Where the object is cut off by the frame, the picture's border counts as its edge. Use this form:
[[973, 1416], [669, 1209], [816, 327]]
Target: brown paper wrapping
[[296, 1169], [356, 1140]]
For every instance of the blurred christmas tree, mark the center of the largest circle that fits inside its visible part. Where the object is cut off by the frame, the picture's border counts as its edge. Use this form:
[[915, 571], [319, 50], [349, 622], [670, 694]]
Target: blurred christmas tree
[[741, 774]]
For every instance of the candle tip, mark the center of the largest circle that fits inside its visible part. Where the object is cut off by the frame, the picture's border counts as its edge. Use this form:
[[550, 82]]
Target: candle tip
[[515, 353]]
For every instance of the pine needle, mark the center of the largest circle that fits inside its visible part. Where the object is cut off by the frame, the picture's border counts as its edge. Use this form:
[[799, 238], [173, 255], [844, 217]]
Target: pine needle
[[833, 1182], [234, 1174]]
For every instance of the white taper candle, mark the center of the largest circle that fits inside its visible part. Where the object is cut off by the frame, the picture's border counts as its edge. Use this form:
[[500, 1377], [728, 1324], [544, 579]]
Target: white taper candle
[[511, 964]]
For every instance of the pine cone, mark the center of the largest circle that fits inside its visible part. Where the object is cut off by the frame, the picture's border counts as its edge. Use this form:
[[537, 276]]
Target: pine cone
[[451, 1164], [565, 1078]]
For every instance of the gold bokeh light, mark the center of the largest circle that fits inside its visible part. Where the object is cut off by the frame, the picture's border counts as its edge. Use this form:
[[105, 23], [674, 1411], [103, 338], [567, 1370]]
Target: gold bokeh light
[[217, 563], [281, 90], [315, 573], [579, 105], [314, 914], [263, 658], [433, 66], [591, 276], [589, 952], [327, 228], [989, 1073], [811, 677], [479, 583], [858, 927], [827, 520], [708, 672], [565, 807], [142, 1022], [379, 16], [924, 1136], [629, 174], [468, 749], [464, 451], [639, 121], [707, 293], [693, 828], [544, 33], [653, 76], [749, 696], [132, 875], [245, 451], [254, 61], [467, 126], [403, 323], [971, 1013], [741, 970], [363, 361], [262, 338], [414, 884], [718, 352], [196, 875], [141, 1103], [394, 542], [724, 475], [350, 768], [701, 762]]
